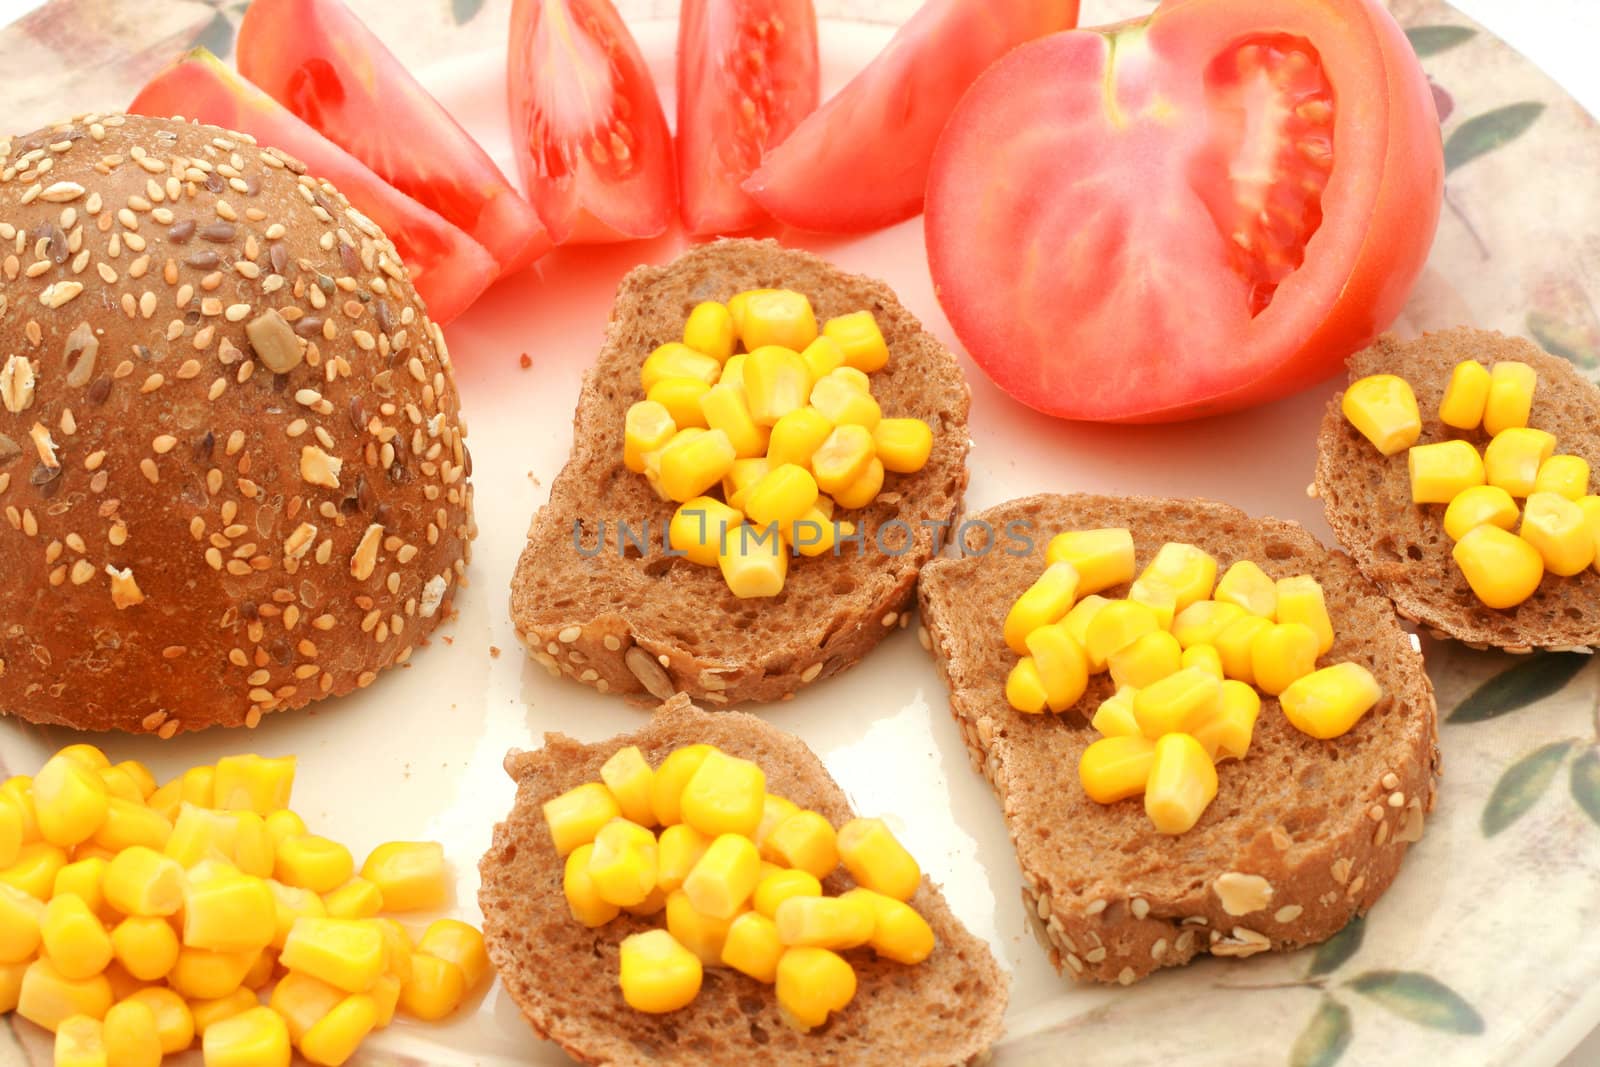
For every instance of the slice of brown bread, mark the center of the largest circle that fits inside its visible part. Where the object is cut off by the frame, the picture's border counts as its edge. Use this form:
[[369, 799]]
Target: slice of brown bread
[[649, 624], [1303, 834], [945, 1010], [1402, 546]]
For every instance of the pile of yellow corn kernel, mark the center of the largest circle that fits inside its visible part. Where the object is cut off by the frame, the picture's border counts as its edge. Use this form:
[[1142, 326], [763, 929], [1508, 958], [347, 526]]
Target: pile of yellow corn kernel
[[136, 920], [787, 430], [1560, 518], [1186, 653], [738, 874]]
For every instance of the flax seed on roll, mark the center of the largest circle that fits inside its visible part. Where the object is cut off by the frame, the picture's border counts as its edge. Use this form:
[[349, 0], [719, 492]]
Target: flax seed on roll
[[232, 473]]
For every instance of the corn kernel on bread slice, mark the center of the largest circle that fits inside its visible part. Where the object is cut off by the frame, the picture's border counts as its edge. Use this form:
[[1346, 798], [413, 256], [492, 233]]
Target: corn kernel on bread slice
[[1402, 547], [1303, 834], [945, 1010], [650, 625]]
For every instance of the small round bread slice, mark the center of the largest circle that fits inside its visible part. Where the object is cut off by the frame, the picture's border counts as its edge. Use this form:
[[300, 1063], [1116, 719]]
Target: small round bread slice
[[1303, 834], [649, 625], [945, 1010], [1402, 547]]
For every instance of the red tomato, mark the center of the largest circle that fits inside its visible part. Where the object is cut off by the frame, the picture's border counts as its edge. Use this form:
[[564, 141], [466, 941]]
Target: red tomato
[[747, 75], [592, 142], [449, 269], [1188, 215], [316, 58], [861, 160]]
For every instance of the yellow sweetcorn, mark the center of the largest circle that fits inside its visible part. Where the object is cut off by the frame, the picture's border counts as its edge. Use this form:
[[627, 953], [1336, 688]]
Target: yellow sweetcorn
[[435, 989], [385, 994], [774, 317], [733, 370], [255, 1038], [1233, 643], [702, 934], [864, 490], [1502, 568], [1328, 702], [356, 899], [201, 974], [843, 457], [1103, 558], [1118, 624], [253, 783], [1025, 690], [699, 528], [85, 879], [720, 884], [348, 953], [397, 947], [725, 409], [825, 922], [1062, 667], [18, 789], [1156, 595], [120, 784], [1558, 530], [1512, 459], [876, 859], [1046, 601], [91, 757], [647, 427], [47, 997], [207, 1013], [797, 436], [622, 863], [678, 849], [666, 788], [1182, 783], [35, 871], [1589, 504], [174, 1021], [1565, 475], [69, 801], [903, 445], [1176, 703], [840, 400], [1465, 396], [1151, 658], [1383, 409], [253, 849], [675, 360], [20, 916], [858, 335], [11, 829], [228, 913], [198, 785], [781, 884], [122, 983], [288, 904], [692, 465], [1226, 733], [261, 972], [784, 495], [1077, 623], [303, 1001], [583, 897], [752, 947], [411, 875], [812, 982], [898, 932], [334, 1038], [200, 833], [822, 357], [132, 1035], [1205, 658], [1116, 768], [1480, 505], [628, 776], [709, 330], [141, 881], [11, 985], [776, 382], [681, 398], [1282, 654], [774, 809], [460, 944], [814, 533], [73, 938], [1247, 586], [725, 795], [657, 974], [1114, 717], [1190, 572], [741, 478], [574, 818], [146, 946], [1510, 399], [805, 841], [1300, 599], [128, 823], [166, 800], [80, 1042], [1441, 470], [755, 561]]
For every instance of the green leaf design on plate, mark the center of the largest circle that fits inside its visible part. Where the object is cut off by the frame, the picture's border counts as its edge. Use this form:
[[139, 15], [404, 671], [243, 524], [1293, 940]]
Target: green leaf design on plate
[[1488, 131], [1332, 953], [1431, 40], [1325, 1037], [1586, 783], [464, 11], [1419, 998], [1532, 679], [216, 36], [1564, 339], [1521, 786]]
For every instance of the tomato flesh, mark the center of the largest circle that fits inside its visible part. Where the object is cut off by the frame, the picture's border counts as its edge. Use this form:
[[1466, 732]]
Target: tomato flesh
[[322, 62], [591, 139], [449, 269], [747, 76]]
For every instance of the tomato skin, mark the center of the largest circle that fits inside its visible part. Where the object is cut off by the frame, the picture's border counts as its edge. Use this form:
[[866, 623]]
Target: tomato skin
[[733, 52], [319, 60], [861, 160], [449, 269], [1071, 228], [601, 174]]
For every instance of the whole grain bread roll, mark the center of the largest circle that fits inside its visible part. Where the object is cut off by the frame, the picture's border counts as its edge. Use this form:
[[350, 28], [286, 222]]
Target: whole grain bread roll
[[232, 474]]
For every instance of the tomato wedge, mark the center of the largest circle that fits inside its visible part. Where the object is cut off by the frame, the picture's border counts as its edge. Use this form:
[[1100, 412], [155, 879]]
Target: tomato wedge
[[1186, 215], [316, 58], [591, 139], [861, 160], [449, 269], [747, 75]]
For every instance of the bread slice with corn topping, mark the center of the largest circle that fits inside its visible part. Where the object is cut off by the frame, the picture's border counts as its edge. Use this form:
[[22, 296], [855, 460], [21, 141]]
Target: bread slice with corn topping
[[1403, 547], [649, 625], [1303, 834], [564, 976]]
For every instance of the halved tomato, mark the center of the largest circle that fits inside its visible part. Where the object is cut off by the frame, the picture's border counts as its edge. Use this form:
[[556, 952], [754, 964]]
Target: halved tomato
[[591, 140], [316, 58], [861, 160], [1186, 215], [747, 75], [449, 269]]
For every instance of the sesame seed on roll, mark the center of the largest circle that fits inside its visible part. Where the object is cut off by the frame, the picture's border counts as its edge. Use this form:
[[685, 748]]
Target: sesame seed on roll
[[233, 476]]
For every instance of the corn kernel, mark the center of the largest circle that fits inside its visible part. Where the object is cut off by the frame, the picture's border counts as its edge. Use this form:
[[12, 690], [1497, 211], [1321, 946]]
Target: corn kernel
[[1114, 717], [622, 863], [733, 370], [656, 973], [255, 1038], [1300, 599], [1465, 396], [200, 833], [1512, 460], [678, 850], [1190, 572], [690, 466], [1226, 733], [903, 444], [858, 335], [198, 785], [725, 795], [1439, 471], [1046, 601], [73, 938], [90, 757], [290, 903], [703, 935], [725, 409], [229, 913], [253, 850], [1182, 783], [358, 898], [20, 916], [1151, 658], [774, 317], [842, 458], [864, 490], [80, 1042], [709, 329], [774, 809], [1205, 658], [11, 831], [1118, 624], [69, 800], [681, 398], [141, 881], [1565, 475], [1062, 667], [128, 823], [1233, 645], [1281, 654], [460, 944], [201, 974], [822, 357], [253, 783], [1557, 528], [166, 800], [133, 1038], [1156, 595], [282, 825], [385, 994], [1176, 703], [122, 983], [174, 1022], [334, 1038], [18, 790], [784, 495], [781, 884], [1102, 558], [397, 947], [1247, 586], [666, 788], [721, 883], [898, 933], [348, 953], [755, 562], [574, 818], [411, 875], [34, 872], [876, 859], [1480, 505], [797, 436], [814, 533], [811, 983], [647, 427], [1025, 689], [1077, 623], [1510, 399], [1589, 504], [84, 879], [675, 360], [1384, 409], [825, 922], [1327, 703], [261, 972], [48, 998], [207, 1013], [119, 784], [11, 985], [776, 382], [841, 401], [146, 946], [804, 841], [751, 946], [741, 478], [303, 1002]]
